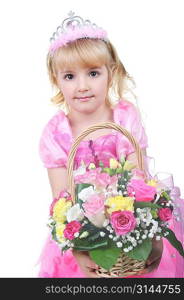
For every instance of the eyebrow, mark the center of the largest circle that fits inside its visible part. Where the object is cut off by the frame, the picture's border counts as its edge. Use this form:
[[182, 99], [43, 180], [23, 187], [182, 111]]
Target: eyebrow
[[71, 71], [67, 71]]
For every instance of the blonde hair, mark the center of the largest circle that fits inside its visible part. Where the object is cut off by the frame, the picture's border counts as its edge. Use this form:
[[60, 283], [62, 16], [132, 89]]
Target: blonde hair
[[90, 53]]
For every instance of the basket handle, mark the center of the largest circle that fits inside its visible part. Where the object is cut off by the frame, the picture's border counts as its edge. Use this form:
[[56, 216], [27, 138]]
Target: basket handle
[[73, 150]]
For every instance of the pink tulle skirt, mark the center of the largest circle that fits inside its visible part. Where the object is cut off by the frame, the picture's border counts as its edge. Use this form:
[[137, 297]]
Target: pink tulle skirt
[[54, 264]]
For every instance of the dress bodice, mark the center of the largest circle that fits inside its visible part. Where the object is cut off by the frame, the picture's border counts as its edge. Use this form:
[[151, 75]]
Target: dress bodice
[[57, 138]]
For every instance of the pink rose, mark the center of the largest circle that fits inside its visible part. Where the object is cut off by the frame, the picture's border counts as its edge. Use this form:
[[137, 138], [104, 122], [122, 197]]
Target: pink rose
[[89, 177], [105, 179], [71, 228], [165, 214], [143, 191], [123, 221], [94, 205]]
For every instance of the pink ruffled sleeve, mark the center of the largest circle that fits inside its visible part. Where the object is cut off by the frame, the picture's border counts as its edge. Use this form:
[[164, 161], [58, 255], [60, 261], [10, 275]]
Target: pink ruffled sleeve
[[128, 116], [54, 143]]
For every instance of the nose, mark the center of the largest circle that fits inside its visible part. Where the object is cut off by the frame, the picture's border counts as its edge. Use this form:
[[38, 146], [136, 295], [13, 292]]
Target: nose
[[82, 84]]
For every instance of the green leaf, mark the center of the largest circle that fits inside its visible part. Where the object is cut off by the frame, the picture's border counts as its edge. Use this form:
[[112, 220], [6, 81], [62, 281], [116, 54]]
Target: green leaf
[[91, 228], [165, 195], [94, 236], [142, 251], [106, 170], [53, 232], [142, 204], [119, 170], [112, 172], [105, 257], [85, 245], [126, 175], [173, 240], [101, 164]]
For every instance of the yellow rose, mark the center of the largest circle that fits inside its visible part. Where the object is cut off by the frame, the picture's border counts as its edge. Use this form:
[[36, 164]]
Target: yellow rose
[[119, 203], [60, 209], [59, 232]]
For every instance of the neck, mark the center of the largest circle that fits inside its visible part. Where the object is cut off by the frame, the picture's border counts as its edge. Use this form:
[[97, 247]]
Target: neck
[[79, 119]]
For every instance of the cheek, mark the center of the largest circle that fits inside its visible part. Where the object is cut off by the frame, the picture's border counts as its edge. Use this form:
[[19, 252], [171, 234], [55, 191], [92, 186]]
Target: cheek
[[66, 90], [101, 87]]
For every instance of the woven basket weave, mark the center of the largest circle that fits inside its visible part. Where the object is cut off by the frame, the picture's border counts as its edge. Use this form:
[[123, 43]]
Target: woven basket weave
[[124, 266]]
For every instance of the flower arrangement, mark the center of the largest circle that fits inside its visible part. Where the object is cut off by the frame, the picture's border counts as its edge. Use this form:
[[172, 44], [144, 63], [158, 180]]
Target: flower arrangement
[[116, 211]]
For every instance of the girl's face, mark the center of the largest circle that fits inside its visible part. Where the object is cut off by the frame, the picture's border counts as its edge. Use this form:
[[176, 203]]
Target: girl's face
[[84, 89]]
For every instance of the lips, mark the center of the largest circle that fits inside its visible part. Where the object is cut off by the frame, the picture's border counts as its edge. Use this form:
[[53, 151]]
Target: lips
[[84, 99]]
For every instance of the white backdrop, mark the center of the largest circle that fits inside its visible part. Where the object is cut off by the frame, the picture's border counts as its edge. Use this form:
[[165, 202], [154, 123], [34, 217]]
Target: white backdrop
[[148, 35]]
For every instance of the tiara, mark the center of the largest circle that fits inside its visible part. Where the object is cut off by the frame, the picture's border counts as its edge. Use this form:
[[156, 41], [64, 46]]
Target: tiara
[[75, 28]]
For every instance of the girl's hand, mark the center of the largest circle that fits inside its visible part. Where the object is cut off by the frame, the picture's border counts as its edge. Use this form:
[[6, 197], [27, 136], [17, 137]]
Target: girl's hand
[[86, 265], [154, 257]]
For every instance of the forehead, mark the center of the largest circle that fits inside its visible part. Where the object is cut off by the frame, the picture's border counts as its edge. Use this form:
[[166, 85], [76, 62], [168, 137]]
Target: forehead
[[80, 57], [76, 63]]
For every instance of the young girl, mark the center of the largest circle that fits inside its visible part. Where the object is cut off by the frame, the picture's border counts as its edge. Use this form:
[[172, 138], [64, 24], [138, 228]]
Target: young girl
[[85, 68]]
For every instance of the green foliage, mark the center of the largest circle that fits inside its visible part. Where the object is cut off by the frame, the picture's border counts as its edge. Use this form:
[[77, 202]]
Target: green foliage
[[53, 233], [105, 257], [141, 251], [123, 181], [140, 204], [101, 164], [173, 240], [85, 245], [165, 194]]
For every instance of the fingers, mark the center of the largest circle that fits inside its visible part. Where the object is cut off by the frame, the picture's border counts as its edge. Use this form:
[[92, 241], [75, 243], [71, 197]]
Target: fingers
[[92, 274], [87, 265], [154, 264], [149, 268], [92, 265], [156, 252], [90, 269], [89, 272], [153, 258]]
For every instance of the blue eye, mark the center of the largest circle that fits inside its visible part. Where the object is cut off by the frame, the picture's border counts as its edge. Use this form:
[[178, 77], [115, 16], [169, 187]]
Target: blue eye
[[68, 76]]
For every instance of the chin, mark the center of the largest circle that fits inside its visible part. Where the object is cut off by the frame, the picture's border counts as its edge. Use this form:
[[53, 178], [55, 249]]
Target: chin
[[86, 107], [87, 110]]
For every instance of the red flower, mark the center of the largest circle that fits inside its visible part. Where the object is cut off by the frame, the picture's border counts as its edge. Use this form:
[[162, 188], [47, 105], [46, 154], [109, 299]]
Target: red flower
[[165, 214], [71, 228]]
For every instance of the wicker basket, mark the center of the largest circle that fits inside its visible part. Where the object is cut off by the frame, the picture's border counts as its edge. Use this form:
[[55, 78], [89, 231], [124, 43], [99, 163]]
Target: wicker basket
[[124, 266]]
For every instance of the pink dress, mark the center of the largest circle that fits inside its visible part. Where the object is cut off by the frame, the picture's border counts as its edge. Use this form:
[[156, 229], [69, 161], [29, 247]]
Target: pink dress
[[54, 147]]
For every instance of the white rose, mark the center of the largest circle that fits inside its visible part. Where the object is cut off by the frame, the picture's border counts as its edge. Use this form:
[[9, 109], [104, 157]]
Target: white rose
[[86, 193], [97, 220], [75, 213]]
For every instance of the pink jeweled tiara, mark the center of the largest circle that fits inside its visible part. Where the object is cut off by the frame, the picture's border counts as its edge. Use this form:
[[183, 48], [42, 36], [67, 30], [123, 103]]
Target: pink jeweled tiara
[[74, 28]]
